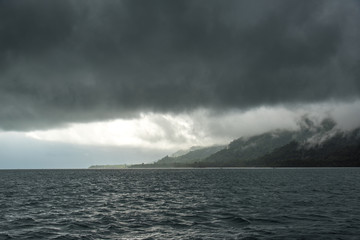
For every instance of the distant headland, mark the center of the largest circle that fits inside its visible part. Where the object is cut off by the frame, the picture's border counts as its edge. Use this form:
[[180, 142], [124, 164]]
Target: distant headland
[[321, 145]]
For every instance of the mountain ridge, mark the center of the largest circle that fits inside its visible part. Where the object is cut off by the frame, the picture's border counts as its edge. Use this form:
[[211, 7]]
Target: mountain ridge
[[312, 144]]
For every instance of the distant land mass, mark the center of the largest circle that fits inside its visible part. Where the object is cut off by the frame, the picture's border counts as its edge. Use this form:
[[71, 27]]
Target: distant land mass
[[313, 145], [185, 151], [108, 166]]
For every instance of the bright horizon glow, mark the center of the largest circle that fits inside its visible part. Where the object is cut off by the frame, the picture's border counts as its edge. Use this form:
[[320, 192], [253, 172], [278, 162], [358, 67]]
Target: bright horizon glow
[[145, 132], [197, 128]]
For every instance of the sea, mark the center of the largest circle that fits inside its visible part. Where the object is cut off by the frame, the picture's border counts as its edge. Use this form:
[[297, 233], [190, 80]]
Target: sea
[[255, 203]]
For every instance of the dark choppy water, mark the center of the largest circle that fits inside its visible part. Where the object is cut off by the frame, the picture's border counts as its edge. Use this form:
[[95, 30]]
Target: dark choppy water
[[180, 204]]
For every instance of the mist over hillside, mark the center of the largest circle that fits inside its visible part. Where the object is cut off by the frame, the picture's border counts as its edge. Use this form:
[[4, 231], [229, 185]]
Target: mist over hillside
[[315, 143]]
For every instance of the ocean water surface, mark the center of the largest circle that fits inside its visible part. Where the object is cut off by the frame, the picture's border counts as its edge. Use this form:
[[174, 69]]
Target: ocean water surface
[[313, 203]]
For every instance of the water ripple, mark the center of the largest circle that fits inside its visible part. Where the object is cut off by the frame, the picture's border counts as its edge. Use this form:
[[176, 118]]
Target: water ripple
[[180, 204]]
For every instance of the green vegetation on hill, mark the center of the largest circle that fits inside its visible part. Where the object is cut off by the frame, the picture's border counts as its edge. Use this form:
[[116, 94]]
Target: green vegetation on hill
[[341, 150], [312, 145], [245, 149]]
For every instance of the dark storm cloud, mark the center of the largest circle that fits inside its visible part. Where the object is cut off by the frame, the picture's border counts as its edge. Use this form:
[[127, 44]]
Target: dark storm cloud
[[78, 61]]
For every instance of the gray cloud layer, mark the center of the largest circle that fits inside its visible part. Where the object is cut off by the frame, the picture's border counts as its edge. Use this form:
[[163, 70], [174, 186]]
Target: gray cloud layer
[[78, 61]]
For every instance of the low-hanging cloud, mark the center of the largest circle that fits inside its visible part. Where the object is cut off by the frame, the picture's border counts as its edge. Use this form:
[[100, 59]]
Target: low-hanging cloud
[[82, 61], [202, 127]]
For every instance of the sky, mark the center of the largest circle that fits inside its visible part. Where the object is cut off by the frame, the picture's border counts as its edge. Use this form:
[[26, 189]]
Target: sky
[[102, 82]]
